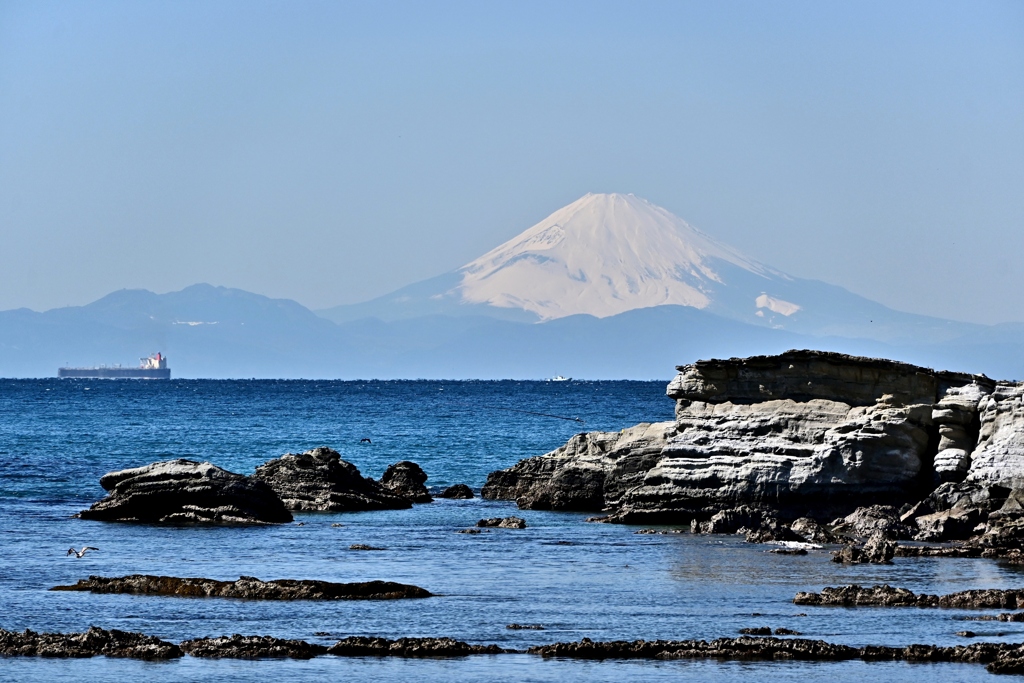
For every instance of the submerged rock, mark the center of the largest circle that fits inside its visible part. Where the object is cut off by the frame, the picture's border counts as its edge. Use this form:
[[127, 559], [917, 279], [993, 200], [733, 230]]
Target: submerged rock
[[320, 480], [186, 492], [94, 642], [361, 646], [247, 587], [251, 647], [407, 479], [458, 491]]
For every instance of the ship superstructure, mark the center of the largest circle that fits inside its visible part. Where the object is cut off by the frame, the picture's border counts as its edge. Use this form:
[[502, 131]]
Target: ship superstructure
[[151, 367]]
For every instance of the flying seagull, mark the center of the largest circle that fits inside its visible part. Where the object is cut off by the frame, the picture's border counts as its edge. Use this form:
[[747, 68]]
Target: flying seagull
[[80, 553]]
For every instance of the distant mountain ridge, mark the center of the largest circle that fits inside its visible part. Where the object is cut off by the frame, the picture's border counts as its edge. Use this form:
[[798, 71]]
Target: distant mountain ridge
[[606, 254], [609, 287]]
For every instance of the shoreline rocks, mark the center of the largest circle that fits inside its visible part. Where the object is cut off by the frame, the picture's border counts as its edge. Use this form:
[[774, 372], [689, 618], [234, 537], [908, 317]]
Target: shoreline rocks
[[320, 480], [458, 492], [95, 641], [247, 588], [887, 596], [503, 523], [362, 646], [251, 647], [407, 479], [186, 492]]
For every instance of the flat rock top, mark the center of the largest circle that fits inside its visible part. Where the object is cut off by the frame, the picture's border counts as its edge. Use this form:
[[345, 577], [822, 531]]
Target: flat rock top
[[247, 587]]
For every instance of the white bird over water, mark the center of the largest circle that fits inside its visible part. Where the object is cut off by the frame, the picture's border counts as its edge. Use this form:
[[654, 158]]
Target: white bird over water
[[80, 553]]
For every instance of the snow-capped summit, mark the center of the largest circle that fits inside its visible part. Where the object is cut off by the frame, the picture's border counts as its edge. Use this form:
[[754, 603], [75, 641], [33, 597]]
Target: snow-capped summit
[[605, 254]]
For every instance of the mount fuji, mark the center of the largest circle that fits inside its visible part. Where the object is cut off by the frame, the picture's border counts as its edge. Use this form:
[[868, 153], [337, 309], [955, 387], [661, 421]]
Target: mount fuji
[[606, 254]]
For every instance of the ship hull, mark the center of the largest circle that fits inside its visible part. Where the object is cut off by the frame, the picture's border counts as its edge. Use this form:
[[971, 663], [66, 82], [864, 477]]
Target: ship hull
[[115, 373]]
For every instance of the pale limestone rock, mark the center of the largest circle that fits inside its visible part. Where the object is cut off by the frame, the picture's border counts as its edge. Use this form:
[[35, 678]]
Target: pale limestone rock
[[999, 456]]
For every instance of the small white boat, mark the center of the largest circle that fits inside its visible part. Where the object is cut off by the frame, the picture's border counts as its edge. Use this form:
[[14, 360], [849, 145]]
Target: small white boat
[[559, 378]]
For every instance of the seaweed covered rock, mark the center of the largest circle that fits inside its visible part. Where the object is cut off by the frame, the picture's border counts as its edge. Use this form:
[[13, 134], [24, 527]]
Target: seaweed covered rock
[[186, 492], [320, 480], [91, 643], [407, 479]]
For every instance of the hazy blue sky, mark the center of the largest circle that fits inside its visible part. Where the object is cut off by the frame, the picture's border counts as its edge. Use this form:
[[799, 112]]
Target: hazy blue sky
[[331, 152]]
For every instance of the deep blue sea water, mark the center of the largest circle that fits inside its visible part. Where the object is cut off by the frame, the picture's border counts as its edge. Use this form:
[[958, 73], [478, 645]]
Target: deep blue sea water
[[57, 437]]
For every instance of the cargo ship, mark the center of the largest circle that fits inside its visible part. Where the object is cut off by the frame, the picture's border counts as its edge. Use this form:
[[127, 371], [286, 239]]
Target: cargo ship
[[152, 367]]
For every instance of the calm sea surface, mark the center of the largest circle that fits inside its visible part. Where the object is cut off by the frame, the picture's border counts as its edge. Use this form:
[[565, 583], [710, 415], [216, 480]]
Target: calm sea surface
[[57, 437]]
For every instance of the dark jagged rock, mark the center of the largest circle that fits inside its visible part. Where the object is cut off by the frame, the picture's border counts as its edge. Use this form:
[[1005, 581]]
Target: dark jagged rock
[[525, 627], [469, 531], [786, 632], [247, 587], [251, 647], [866, 521], [879, 549], [503, 522], [186, 492], [999, 657], [94, 642], [757, 631], [458, 491], [809, 530], [407, 479], [363, 546], [361, 646], [320, 480], [888, 596]]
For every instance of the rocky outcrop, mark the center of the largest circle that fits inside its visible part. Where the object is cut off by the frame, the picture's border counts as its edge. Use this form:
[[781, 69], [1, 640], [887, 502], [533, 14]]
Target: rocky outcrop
[[251, 647], [458, 491], [320, 480], [407, 479], [803, 432], [247, 587], [503, 523], [888, 596], [186, 492], [999, 657], [361, 646], [92, 643], [879, 549]]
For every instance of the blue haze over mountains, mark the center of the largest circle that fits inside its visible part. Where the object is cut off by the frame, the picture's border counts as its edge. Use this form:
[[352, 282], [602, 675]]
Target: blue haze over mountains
[[449, 327]]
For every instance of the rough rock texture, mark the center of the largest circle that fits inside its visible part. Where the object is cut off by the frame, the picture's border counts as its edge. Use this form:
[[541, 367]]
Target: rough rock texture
[[186, 492], [247, 587], [999, 657], [866, 521], [407, 479], [320, 480], [879, 549], [95, 641], [888, 596], [361, 646], [801, 431], [999, 456], [251, 647], [458, 491], [810, 530], [503, 522], [579, 475]]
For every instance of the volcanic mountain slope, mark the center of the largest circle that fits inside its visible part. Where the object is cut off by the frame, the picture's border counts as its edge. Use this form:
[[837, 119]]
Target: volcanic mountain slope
[[606, 254]]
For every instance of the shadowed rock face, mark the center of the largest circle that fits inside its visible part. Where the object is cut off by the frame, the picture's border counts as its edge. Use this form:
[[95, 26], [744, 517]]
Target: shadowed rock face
[[407, 479], [800, 432], [247, 587], [95, 641], [186, 492], [320, 480], [458, 491]]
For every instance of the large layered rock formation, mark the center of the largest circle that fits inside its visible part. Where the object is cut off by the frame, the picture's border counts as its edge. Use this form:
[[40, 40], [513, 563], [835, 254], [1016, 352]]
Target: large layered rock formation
[[186, 492], [800, 433], [320, 480]]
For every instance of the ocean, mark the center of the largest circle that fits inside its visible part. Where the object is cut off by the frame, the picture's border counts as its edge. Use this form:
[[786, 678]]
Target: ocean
[[577, 579]]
